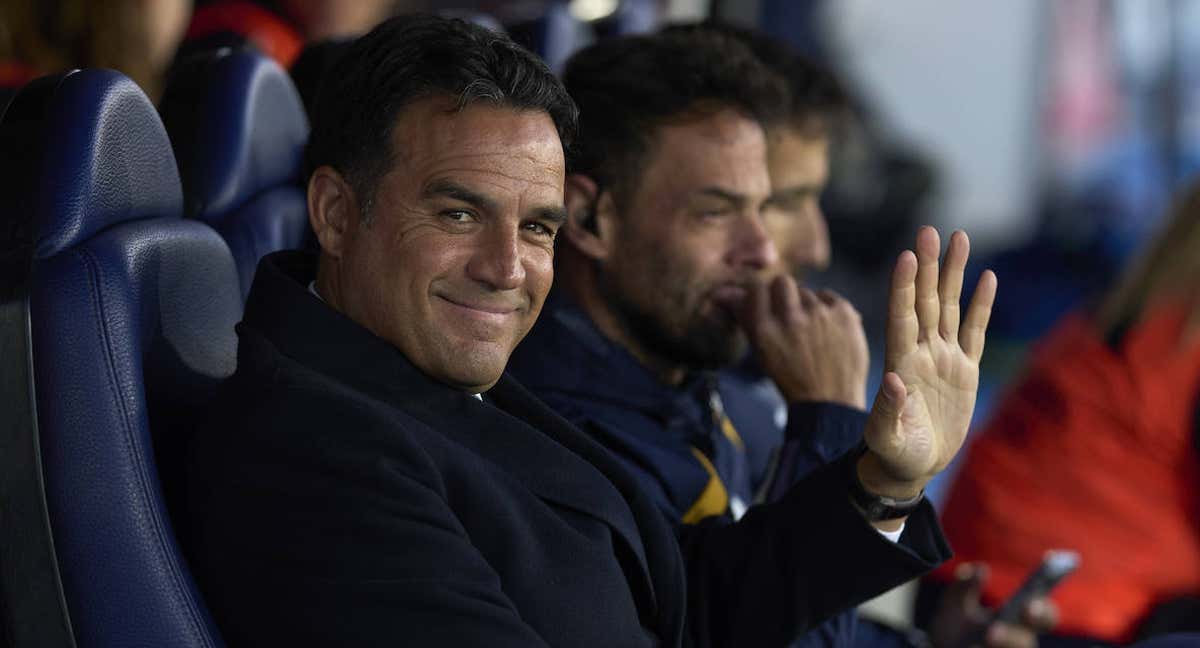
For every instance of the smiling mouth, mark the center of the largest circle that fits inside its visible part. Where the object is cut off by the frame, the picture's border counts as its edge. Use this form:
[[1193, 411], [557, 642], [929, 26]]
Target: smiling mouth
[[487, 309]]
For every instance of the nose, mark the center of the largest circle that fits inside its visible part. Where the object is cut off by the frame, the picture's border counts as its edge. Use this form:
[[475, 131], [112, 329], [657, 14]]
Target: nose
[[811, 245], [753, 247], [497, 261]]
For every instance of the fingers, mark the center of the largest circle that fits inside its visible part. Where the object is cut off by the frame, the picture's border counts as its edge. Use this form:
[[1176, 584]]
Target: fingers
[[829, 298], [1003, 635], [927, 303], [754, 313], [925, 298], [965, 590], [1041, 615], [972, 335], [785, 298], [808, 299], [950, 284], [791, 301], [902, 319]]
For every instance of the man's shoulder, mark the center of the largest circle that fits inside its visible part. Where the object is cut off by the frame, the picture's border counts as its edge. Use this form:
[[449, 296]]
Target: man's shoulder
[[274, 406], [266, 379]]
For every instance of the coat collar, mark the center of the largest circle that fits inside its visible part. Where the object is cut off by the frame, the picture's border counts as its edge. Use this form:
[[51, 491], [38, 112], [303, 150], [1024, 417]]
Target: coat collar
[[515, 430], [566, 353], [304, 328]]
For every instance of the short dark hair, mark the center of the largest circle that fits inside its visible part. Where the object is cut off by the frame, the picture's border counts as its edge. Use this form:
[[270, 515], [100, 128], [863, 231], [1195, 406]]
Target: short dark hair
[[817, 100], [627, 87], [413, 57]]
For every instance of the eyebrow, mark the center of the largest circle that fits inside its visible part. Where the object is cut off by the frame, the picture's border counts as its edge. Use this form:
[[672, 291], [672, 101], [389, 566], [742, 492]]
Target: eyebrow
[[795, 191], [450, 189], [556, 215], [723, 194]]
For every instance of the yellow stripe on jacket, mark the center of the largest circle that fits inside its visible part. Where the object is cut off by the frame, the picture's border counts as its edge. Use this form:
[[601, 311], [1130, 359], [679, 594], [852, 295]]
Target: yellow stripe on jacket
[[713, 500]]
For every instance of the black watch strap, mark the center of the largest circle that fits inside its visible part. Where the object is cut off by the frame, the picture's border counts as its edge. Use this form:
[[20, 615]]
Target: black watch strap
[[876, 507]]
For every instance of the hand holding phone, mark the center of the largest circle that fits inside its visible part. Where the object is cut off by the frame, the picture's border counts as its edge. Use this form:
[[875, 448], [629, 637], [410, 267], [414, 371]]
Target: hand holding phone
[[1056, 565]]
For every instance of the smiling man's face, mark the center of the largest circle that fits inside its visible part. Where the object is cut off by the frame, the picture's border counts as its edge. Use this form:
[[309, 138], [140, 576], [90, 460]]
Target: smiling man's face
[[457, 257]]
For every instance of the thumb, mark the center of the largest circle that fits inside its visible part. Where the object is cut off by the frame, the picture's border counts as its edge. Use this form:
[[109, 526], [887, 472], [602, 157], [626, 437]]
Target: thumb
[[968, 581], [890, 400]]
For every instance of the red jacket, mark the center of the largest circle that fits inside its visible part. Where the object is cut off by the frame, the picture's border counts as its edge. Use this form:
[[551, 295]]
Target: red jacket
[[271, 34], [1093, 450], [14, 75]]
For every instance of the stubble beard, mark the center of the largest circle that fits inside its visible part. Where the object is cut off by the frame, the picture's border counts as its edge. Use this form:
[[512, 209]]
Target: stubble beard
[[669, 325]]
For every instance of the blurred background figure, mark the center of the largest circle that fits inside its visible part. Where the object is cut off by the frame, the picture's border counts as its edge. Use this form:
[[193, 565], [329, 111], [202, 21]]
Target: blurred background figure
[[281, 28], [136, 37], [324, 19], [1095, 450]]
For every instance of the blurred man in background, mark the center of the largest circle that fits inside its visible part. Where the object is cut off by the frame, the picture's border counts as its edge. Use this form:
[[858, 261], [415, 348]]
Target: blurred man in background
[[281, 29], [135, 37]]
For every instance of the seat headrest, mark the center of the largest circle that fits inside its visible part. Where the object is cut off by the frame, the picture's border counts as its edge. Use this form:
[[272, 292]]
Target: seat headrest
[[476, 17], [238, 127], [99, 156]]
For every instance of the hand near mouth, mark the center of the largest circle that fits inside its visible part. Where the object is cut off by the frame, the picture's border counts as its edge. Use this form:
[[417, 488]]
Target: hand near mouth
[[812, 345]]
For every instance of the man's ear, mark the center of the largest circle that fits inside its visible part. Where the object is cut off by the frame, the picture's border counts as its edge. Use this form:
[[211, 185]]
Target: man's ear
[[590, 217], [332, 209]]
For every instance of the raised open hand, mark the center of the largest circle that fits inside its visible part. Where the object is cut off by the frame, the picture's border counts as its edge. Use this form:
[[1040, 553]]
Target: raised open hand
[[931, 368]]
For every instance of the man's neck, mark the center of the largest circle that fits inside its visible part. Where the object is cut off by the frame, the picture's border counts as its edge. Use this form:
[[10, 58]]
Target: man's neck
[[316, 292]]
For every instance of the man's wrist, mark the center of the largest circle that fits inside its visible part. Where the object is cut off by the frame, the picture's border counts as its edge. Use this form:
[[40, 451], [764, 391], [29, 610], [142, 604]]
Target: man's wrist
[[886, 508], [876, 480]]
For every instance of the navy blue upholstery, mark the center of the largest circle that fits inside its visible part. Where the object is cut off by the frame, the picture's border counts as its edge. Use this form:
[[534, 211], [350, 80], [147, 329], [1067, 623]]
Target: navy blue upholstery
[[475, 17], [239, 127], [554, 35], [132, 311]]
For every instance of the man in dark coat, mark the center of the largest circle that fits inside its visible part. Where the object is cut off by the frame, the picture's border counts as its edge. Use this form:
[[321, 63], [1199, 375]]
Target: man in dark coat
[[370, 475]]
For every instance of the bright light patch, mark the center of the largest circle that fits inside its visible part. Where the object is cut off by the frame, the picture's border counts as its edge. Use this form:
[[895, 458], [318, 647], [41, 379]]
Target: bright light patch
[[589, 10]]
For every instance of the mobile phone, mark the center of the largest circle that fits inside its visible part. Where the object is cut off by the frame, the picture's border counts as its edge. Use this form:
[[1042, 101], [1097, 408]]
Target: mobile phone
[[1056, 565]]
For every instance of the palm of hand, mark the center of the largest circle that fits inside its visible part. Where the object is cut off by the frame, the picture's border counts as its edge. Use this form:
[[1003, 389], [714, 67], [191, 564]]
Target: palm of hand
[[941, 382], [924, 407]]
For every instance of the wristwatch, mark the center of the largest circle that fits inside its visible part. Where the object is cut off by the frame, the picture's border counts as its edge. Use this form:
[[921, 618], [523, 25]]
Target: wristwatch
[[876, 507]]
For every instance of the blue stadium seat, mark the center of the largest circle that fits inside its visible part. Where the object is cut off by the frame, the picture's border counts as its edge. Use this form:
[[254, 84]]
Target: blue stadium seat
[[239, 128], [131, 311], [475, 17], [554, 34]]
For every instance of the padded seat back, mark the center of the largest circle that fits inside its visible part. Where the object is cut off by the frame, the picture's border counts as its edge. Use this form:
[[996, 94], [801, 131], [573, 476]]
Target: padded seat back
[[238, 128], [131, 312]]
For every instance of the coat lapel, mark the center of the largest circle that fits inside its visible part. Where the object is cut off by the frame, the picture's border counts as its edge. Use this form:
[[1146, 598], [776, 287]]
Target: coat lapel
[[656, 544], [524, 438]]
